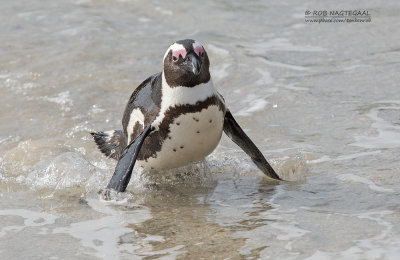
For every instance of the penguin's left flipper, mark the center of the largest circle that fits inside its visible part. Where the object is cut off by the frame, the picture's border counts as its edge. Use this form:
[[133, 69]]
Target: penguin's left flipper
[[123, 170], [238, 136]]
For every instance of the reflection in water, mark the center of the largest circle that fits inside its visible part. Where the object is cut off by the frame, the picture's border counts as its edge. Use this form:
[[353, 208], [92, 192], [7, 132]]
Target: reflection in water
[[30, 219], [106, 235], [204, 220]]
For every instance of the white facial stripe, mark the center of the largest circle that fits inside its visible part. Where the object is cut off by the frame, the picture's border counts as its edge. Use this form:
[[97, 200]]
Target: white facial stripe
[[182, 95], [174, 47], [136, 116]]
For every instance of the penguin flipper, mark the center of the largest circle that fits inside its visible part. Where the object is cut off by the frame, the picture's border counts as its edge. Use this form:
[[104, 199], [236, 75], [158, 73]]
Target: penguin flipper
[[109, 143], [126, 162], [238, 136]]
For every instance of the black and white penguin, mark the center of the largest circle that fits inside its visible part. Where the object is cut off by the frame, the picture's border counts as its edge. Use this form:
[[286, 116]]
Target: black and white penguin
[[174, 118]]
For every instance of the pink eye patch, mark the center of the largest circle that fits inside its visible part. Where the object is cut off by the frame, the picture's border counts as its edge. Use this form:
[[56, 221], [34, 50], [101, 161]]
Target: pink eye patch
[[199, 50], [176, 53]]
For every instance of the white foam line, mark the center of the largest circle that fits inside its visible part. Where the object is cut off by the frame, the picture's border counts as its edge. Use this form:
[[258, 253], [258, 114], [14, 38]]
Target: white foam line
[[363, 180], [172, 252], [281, 44], [284, 65], [388, 133], [383, 245], [326, 158], [289, 229], [356, 155], [356, 66], [293, 87], [387, 102], [255, 105], [4, 139]]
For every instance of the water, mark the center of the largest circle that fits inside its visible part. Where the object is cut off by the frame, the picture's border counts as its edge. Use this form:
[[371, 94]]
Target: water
[[321, 101]]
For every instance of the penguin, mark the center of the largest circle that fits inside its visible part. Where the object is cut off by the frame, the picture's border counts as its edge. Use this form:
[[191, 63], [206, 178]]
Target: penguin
[[174, 118]]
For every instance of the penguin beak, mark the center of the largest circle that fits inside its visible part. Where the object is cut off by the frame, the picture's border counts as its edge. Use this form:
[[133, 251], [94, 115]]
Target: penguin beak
[[193, 63]]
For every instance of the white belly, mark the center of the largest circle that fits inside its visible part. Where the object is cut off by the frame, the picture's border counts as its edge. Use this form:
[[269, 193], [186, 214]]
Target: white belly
[[193, 136]]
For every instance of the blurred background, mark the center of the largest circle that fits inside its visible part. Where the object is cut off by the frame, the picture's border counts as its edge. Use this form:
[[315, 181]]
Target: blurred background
[[321, 101]]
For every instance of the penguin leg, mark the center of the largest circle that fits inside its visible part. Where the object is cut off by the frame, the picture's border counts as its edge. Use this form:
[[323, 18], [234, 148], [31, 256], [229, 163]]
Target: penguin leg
[[238, 136], [126, 162]]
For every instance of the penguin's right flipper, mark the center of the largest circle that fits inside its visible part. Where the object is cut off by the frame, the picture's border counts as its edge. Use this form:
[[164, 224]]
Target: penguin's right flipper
[[238, 136], [123, 170], [109, 142]]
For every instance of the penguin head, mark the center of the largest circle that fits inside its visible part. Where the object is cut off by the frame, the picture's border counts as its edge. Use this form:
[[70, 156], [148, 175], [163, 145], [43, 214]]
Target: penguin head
[[186, 64]]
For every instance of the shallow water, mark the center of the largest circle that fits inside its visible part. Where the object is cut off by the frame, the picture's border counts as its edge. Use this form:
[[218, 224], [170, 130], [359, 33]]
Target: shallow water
[[321, 101]]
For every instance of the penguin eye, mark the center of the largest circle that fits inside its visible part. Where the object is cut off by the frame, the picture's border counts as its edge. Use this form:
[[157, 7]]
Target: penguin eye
[[199, 51], [177, 53]]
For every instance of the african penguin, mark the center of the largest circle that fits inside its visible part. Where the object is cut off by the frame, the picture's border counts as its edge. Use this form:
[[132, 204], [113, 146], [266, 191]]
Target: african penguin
[[174, 118]]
